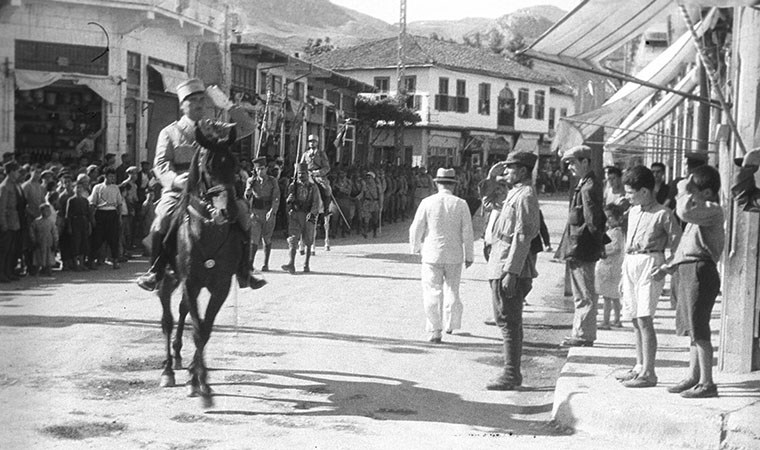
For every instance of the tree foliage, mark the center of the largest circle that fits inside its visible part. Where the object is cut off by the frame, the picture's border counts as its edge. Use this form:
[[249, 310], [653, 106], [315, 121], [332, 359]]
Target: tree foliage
[[516, 44], [389, 110], [318, 46]]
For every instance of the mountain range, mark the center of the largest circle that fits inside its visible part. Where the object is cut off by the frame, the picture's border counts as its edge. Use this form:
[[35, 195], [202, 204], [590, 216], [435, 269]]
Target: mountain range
[[287, 24]]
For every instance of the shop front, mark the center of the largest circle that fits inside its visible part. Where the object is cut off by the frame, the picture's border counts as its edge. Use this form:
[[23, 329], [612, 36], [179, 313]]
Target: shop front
[[62, 92]]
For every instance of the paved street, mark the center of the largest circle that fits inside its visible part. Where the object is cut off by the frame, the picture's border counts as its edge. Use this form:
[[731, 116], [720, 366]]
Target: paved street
[[332, 359]]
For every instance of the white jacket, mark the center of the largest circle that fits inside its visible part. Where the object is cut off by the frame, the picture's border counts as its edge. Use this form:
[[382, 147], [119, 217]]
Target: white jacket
[[442, 230]]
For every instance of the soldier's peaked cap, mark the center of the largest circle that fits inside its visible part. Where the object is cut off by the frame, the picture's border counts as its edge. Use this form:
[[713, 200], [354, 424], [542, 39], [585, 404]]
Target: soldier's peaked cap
[[261, 160], [190, 87], [577, 152], [525, 159]]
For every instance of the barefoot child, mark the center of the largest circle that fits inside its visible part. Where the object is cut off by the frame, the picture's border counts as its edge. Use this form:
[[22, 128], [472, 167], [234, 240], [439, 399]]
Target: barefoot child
[[695, 261], [608, 268]]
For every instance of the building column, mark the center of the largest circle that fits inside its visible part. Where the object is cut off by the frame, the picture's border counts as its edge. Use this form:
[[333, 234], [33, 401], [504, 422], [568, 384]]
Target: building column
[[738, 351], [116, 120]]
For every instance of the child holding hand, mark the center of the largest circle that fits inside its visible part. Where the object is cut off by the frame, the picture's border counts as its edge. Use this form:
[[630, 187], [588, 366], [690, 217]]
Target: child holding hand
[[609, 268]]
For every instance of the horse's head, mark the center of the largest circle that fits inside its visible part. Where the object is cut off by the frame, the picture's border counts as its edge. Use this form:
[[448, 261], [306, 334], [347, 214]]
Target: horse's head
[[216, 168]]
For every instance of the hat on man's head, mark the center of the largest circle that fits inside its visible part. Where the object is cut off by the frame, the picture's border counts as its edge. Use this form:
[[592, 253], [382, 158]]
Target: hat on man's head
[[261, 160], [739, 160], [445, 176], [190, 87], [577, 152], [83, 179], [371, 174], [92, 167], [47, 173], [695, 159], [525, 159], [312, 137]]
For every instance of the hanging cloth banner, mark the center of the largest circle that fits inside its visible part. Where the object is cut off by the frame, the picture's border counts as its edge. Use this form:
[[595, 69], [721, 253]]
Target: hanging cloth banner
[[27, 80], [108, 89]]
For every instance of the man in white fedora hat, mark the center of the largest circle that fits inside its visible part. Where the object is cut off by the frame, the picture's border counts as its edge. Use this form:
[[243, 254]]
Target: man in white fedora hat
[[442, 233], [174, 151]]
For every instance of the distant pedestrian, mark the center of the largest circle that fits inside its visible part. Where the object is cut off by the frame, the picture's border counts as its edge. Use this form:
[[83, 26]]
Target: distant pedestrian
[[696, 261], [78, 224], [303, 204], [44, 237], [582, 244], [263, 195], [652, 228], [512, 266], [442, 233], [107, 201]]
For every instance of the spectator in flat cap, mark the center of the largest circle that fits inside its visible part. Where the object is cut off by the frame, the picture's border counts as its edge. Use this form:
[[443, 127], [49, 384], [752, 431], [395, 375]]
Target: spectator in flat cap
[[582, 244]]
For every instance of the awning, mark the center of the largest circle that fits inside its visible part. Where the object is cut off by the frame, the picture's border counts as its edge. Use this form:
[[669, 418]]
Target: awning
[[596, 28], [170, 77], [661, 71], [105, 86], [665, 106], [527, 143]]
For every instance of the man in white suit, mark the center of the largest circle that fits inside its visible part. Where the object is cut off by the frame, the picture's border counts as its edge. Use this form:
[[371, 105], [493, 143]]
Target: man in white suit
[[442, 233]]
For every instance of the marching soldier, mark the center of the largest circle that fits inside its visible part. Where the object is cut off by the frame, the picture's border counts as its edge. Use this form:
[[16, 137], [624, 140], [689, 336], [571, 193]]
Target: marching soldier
[[303, 204], [174, 152], [263, 194]]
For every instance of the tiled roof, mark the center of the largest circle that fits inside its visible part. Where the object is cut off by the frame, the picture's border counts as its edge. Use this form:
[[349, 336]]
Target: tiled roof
[[422, 51]]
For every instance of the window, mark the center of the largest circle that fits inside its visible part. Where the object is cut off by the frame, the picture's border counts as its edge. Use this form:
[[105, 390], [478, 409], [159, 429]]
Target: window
[[484, 99], [506, 108], [563, 112], [410, 83], [461, 88], [382, 84], [552, 118], [523, 106], [264, 82], [539, 98], [443, 86], [296, 90], [277, 85], [133, 69]]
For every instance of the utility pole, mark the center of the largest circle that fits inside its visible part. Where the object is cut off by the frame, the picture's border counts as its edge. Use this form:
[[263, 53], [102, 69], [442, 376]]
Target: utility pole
[[400, 86]]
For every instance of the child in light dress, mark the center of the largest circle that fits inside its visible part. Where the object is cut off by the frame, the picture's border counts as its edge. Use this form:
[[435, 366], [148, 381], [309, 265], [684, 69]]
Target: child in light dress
[[609, 269], [44, 235]]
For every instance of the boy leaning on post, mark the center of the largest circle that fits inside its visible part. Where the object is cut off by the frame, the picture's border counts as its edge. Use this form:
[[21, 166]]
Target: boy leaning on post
[[695, 261]]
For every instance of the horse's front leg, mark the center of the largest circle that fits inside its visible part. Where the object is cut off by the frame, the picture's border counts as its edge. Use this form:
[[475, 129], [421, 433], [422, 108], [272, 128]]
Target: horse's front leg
[[190, 296], [177, 344], [167, 324]]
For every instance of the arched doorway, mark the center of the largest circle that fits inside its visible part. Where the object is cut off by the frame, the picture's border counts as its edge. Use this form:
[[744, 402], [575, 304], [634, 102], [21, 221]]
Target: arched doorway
[[506, 108]]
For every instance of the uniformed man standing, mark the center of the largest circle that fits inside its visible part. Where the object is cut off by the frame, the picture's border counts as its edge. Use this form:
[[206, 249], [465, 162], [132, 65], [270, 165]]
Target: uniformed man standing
[[303, 206], [174, 151], [263, 194]]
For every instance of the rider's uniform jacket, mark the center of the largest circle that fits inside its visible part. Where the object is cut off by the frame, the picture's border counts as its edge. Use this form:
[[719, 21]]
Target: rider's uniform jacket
[[317, 162], [262, 193], [174, 151]]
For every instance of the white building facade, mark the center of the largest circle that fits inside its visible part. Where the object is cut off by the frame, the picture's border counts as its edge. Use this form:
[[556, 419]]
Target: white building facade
[[76, 67]]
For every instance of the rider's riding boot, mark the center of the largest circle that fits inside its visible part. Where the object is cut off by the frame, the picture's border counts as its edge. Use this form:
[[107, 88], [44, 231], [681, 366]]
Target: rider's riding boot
[[267, 252], [306, 268], [290, 267], [245, 275], [159, 259]]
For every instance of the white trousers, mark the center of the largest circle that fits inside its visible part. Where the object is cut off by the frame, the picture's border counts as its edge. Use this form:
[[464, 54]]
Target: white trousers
[[440, 296]]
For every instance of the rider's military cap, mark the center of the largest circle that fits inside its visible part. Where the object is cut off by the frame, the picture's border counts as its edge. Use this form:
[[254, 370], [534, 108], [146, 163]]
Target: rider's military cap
[[189, 87]]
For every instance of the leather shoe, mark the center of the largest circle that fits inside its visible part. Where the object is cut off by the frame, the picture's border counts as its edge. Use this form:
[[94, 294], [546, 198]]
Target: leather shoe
[[289, 268], [627, 375], [502, 384], [683, 385], [573, 342], [701, 391], [306, 269], [490, 322], [641, 382], [147, 281], [265, 268]]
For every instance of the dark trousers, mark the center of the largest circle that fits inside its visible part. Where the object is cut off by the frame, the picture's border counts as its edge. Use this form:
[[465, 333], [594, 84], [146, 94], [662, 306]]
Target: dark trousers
[[9, 240], [106, 230], [508, 314]]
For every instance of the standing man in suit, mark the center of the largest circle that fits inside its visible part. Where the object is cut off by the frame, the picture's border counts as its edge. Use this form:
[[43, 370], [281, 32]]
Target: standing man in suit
[[511, 265], [442, 233], [11, 197], [582, 244]]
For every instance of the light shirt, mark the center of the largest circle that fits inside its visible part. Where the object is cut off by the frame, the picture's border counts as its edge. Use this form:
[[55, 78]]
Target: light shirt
[[106, 197], [652, 228], [442, 230]]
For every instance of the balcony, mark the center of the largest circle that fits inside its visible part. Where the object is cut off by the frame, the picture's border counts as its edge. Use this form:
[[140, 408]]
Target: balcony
[[452, 103]]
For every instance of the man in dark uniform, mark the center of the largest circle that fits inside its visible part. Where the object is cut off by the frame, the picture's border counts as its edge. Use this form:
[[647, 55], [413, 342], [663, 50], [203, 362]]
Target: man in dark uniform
[[263, 194], [303, 208], [174, 152]]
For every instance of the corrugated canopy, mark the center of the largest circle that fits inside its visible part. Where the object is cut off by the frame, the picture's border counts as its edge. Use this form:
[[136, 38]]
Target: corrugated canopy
[[596, 28], [663, 70], [659, 111]]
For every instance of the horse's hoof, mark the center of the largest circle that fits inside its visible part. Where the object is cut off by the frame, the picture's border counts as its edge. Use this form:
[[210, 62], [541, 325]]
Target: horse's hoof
[[207, 401], [167, 380]]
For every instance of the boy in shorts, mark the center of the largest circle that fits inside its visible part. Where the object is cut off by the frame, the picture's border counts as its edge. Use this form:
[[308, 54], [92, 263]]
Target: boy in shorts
[[695, 261], [651, 229]]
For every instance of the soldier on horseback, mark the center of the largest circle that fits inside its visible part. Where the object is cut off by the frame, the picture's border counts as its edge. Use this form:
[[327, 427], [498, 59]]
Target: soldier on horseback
[[174, 151]]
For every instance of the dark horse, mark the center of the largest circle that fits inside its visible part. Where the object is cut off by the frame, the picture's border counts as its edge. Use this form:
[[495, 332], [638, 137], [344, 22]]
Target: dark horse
[[209, 248]]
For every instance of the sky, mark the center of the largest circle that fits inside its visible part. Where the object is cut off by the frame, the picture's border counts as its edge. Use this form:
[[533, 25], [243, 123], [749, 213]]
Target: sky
[[388, 10]]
